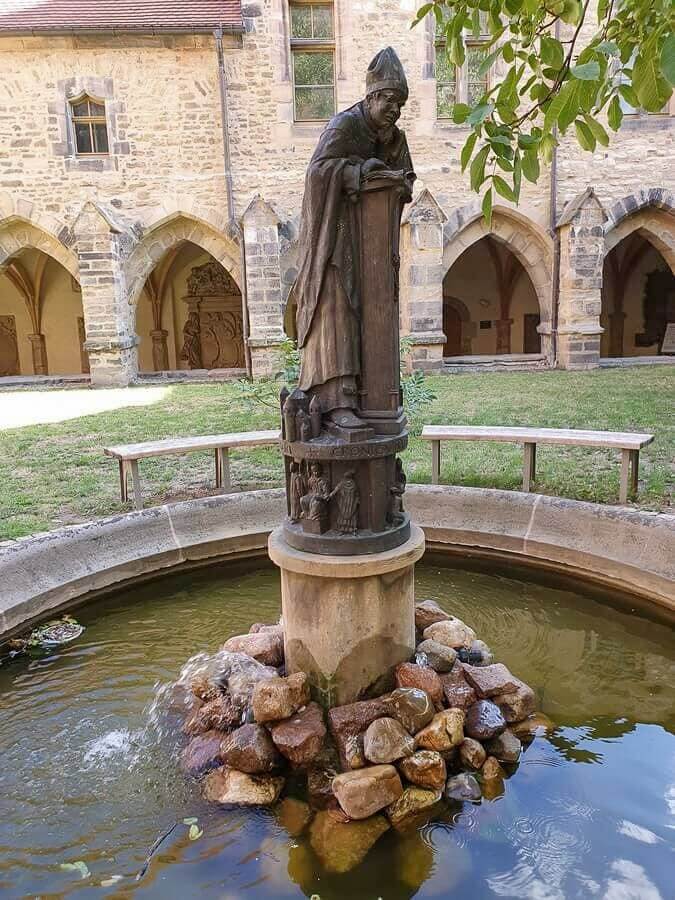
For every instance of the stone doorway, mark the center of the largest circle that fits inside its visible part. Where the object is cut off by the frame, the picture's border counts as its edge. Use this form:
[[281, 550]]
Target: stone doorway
[[531, 337]]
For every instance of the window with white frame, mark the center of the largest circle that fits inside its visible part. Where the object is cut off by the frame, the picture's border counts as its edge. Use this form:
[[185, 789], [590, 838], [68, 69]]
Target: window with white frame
[[90, 128], [313, 59], [460, 84]]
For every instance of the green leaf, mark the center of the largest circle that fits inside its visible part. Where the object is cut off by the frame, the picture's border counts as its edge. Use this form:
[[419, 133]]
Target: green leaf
[[422, 11], [603, 6], [489, 59], [195, 832], [597, 130], [584, 135], [628, 93], [571, 12], [614, 114], [652, 89], [668, 58], [508, 52], [608, 48], [564, 107], [191, 821], [589, 71], [551, 51], [517, 176], [486, 207], [477, 170], [460, 113], [503, 188], [78, 866], [479, 113], [467, 150], [527, 140], [548, 145], [531, 165]]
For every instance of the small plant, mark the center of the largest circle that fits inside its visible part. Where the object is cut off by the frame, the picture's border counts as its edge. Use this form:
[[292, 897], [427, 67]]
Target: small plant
[[416, 392]]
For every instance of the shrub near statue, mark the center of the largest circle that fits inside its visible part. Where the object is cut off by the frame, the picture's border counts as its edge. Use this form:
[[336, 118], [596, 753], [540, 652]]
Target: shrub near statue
[[343, 426]]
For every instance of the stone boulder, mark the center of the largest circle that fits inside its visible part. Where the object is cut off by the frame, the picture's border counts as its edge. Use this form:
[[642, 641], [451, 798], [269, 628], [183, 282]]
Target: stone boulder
[[471, 753], [220, 714], [491, 769], [428, 612], [437, 656], [488, 681], [410, 805], [261, 627], [341, 846], [409, 675], [202, 754], [463, 787], [301, 737], [366, 791], [239, 674], [516, 705], [385, 741], [250, 749], [293, 815], [280, 698], [443, 733], [228, 786], [354, 753], [505, 747], [425, 769], [264, 646], [348, 721], [537, 723], [484, 720], [411, 707], [458, 692], [320, 788], [202, 687], [451, 632]]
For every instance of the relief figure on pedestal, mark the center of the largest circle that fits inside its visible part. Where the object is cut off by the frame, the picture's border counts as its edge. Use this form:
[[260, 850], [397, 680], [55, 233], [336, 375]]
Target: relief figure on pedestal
[[297, 492], [346, 493], [315, 502], [192, 341], [324, 303]]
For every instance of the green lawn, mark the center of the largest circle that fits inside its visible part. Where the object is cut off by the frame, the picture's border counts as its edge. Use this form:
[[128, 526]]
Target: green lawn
[[56, 474]]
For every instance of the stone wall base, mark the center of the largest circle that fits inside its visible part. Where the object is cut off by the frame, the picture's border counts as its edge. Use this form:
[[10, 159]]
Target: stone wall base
[[578, 350], [113, 367], [266, 359], [348, 621]]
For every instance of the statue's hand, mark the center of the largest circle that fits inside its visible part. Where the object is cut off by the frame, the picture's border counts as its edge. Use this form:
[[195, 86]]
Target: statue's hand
[[372, 165]]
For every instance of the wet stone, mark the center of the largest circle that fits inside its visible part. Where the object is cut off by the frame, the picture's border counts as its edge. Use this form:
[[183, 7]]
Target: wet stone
[[443, 733], [202, 754], [300, 738], [239, 674], [352, 719], [458, 692], [264, 646], [424, 678], [250, 749], [491, 769], [411, 707], [293, 815], [386, 740], [320, 788], [517, 705], [538, 723], [451, 632], [228, 786], [341, 846], [437, 656], [480, 648], [425, 769], [280, 698], [202, 687], [412, 802], [462, 788], [366, 791], [220, 714], [505, 747], [472, 753], [484, 720], [428, 612], [488, 681], [354, 752]]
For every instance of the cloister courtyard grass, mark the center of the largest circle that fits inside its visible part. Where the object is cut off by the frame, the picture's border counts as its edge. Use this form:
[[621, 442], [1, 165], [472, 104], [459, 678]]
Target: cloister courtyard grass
[[53, 471]]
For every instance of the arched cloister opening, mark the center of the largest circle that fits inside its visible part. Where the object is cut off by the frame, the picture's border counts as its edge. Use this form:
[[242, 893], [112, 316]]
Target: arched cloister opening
[[189, 313], [490, 304], [638, 297], [41, 317]]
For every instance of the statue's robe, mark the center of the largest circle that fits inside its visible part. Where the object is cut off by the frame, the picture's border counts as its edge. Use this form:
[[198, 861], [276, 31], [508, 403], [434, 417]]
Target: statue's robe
[[324, 303]]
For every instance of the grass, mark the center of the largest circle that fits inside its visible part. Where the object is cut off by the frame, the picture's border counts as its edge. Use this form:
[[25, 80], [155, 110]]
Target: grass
[[52, 475]]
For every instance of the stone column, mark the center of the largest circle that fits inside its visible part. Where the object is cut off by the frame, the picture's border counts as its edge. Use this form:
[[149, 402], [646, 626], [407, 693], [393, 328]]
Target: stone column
[[260, 226], [503, 328], [582, 250], [421, 295], [38, 348], [160, 350], [111, 342], [348, 620]]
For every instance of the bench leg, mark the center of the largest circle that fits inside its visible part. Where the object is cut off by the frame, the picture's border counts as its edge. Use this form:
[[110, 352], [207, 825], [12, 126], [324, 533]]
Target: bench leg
[[123, 481], [630, 464], [634, 469], [223, 478], [529, 466], [138, 496], [435, 462]]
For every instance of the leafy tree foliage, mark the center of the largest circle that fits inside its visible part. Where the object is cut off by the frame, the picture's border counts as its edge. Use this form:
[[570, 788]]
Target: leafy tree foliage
[[556, 78]]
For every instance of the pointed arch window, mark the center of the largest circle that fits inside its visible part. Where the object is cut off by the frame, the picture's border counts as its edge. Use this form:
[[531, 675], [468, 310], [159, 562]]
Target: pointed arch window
[[90, 127]]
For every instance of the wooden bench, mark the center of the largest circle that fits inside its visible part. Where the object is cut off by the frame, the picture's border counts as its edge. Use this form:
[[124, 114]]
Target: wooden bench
[[629, 443], [129, 454]]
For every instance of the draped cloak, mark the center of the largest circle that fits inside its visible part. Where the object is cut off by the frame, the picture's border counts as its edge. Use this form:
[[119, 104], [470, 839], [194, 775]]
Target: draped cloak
[[324, 302]]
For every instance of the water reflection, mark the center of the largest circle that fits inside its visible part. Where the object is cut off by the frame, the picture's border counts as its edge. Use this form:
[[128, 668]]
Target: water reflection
[[89, 777]]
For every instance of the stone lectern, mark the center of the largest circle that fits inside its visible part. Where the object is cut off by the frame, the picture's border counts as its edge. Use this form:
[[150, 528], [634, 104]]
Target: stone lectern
[[347, 547]]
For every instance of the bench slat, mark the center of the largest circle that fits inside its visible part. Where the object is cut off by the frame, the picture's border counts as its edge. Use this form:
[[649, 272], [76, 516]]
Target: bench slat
[[186, 445], [618, 439]]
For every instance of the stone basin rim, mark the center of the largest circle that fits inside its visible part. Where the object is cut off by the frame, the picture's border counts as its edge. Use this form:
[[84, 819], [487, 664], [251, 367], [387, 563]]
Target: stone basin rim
[[619, 548]]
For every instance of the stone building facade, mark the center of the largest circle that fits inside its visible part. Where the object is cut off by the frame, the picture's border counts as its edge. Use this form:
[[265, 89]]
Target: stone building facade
[[191, 155]]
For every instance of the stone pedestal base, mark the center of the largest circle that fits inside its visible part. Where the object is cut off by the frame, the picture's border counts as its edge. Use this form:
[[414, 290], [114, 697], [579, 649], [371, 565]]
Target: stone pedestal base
[[348, 620]]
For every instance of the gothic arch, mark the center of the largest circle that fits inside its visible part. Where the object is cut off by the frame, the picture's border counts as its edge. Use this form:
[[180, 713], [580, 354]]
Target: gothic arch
[[654, 223], [528, 241], [168, 232], [21, 227], [656, 198]]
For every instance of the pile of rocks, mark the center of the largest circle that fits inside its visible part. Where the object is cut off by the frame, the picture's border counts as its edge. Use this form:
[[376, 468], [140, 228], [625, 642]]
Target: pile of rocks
[[450, 730]]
